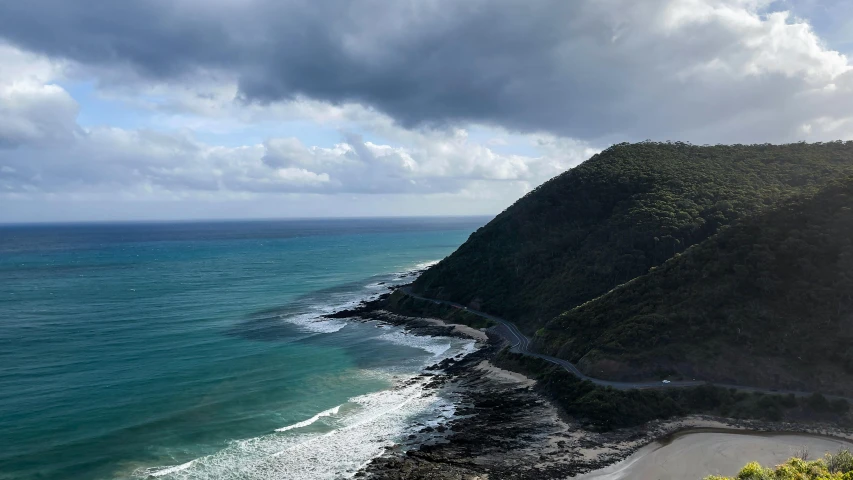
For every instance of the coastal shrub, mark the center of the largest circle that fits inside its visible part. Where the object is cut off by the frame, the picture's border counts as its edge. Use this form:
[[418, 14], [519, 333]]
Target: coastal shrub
[[841, 462], [839, 405], [818, 402], [831, 467], [790, 401]]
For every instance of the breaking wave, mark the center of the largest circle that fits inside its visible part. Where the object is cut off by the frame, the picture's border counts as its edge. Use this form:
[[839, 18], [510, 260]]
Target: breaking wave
[[373, 422], [305, 423]]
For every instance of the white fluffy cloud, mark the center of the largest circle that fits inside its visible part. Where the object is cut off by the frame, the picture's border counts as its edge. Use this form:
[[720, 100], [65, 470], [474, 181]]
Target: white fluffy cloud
[[105, 159], [33, 110], [711, 71], [601, 71], [43, 151]]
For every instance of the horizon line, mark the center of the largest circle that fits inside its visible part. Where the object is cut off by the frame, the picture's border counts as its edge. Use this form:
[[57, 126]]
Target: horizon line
[[230, 220]]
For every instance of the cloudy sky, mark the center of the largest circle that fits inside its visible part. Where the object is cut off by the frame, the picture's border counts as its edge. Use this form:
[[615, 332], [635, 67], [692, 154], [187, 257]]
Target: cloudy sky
[[181, 109]]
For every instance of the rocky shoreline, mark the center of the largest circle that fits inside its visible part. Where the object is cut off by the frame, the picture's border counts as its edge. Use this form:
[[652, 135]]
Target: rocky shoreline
[[504, 429]]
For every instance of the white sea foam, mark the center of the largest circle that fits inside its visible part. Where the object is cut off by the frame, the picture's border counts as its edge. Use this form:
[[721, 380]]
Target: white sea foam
[[375, 421], [305, 423], [466, 347], [434, 345], [163, 471], [369, 423], [406, 275], [351, 302], [313, 322], [366, 425], [425, 265]]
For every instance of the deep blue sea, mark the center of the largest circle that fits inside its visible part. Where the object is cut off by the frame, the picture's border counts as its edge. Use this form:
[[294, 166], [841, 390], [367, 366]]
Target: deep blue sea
[[197, 350]]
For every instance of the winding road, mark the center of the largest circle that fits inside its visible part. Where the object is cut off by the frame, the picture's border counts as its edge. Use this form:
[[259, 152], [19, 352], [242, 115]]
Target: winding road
[[521, 344]]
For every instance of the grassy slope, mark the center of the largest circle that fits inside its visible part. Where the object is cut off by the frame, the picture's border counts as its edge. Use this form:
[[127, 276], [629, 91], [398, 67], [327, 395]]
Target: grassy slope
[[610, 219], [766, 302]]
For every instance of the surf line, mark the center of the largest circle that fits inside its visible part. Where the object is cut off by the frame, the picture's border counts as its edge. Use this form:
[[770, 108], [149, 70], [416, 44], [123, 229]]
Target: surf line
[[416, 394], [305, 423]]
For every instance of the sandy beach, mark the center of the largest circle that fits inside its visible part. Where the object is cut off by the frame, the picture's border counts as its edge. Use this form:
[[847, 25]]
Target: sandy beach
[[696, 454]]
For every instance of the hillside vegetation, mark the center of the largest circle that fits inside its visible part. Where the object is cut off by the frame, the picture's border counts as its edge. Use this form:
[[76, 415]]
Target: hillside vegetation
[[766, 302], [604, 408], [611, 219]]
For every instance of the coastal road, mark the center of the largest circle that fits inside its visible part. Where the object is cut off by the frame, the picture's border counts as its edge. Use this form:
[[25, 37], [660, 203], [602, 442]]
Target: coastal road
[[521, 344]]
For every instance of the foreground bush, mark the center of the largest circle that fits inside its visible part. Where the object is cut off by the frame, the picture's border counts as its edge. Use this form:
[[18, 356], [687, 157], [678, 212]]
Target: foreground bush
[[831, 467]]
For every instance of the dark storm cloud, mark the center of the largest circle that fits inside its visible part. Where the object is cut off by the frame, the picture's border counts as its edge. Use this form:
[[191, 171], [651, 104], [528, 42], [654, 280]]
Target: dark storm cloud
[[598, 70], [518, 64], [159, 38]]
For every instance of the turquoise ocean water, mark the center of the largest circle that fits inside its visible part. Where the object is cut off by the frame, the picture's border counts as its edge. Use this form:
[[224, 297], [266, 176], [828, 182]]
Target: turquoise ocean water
[[195, 350]]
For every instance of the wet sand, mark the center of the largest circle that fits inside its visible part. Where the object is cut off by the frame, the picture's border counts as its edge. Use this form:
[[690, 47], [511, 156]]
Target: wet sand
[[696, 454]]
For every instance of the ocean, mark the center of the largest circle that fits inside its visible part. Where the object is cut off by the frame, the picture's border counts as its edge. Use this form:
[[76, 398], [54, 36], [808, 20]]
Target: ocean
[[196, 350]]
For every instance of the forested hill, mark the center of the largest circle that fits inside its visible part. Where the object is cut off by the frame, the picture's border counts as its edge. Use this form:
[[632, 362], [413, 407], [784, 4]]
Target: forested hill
[[615, 216], [766, 302]]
